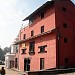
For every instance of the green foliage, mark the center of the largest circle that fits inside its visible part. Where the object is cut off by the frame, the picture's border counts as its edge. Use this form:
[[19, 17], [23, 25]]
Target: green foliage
[[6, 49], [3, 52]]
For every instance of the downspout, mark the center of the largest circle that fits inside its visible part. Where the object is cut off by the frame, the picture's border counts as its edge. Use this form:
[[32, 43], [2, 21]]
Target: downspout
[[58, 46]]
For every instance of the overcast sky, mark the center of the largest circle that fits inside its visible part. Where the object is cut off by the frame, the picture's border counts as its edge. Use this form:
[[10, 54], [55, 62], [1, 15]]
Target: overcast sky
[[12, 12]]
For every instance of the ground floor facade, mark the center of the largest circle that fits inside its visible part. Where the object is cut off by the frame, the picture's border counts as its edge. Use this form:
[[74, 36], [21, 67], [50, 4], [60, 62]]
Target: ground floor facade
[[39, 53]]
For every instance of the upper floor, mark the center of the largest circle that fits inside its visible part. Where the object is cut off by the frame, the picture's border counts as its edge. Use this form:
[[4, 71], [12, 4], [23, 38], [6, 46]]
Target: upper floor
[[39, 21], [48, 17]]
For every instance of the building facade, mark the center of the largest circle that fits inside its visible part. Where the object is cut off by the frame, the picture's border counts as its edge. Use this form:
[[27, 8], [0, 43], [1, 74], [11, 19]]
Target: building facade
[[9, 57], [48, 41]]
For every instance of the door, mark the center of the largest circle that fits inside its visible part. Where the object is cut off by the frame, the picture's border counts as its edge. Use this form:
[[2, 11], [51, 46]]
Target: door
[[26, 64], [16, 62]]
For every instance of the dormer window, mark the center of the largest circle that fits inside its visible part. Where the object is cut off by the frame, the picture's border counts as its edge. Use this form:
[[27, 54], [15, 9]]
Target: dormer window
[[31, 20], [42, 15]]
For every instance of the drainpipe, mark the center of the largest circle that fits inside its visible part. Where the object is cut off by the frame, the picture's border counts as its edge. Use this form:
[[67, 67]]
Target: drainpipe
[[58, 39]]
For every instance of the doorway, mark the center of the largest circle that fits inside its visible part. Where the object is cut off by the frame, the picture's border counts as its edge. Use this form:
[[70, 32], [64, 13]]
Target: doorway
[[16, 63], [26, 64], [11, 64]]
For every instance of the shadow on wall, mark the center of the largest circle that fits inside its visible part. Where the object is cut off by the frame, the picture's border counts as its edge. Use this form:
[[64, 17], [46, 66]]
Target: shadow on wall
[[52, 72]]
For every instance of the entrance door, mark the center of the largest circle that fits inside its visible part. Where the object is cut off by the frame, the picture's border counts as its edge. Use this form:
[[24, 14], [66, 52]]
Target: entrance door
[[16, 62], [26, 64]]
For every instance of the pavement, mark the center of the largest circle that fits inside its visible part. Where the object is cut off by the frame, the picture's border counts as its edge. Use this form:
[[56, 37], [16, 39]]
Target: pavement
[[16, 72], [10, 71]]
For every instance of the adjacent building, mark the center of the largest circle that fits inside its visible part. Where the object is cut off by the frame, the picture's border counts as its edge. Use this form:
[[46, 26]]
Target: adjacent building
[[49, 39], [9, 57]]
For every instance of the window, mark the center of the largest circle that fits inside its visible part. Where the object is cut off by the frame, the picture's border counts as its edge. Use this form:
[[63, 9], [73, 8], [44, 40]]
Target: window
[[64, 9], [24, 36], [65, 40], [23, 51], [66, 60], [42, 15], [41, 63], [31, 47], [16, 49], [31, 20], [42, 49], [64, 25], [42, 29], [32, 33]]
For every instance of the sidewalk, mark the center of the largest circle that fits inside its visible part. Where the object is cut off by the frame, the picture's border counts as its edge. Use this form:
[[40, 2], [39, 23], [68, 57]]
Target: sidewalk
[[10, 71], [19, 72], [14, 71]]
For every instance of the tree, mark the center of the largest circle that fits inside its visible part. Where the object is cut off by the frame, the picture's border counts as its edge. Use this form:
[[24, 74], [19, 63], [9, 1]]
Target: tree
[[2, 55], [7, 49], [3, 52]]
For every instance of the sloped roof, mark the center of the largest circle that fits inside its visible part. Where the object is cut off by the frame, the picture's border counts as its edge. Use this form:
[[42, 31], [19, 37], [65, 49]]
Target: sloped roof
[[47, 4]]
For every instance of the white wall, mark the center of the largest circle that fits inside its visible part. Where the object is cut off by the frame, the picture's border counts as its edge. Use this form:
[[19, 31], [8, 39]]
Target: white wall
[[9, 57], [13, 48]]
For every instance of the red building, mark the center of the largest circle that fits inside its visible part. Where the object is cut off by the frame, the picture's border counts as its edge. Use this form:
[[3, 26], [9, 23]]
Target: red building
[[49, 39]]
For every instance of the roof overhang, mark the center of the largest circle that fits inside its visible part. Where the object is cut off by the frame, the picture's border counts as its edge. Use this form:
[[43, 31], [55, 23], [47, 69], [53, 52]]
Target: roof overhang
[[47, 4]]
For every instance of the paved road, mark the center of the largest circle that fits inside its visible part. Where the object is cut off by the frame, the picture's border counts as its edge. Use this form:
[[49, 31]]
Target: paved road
[[10, 72]]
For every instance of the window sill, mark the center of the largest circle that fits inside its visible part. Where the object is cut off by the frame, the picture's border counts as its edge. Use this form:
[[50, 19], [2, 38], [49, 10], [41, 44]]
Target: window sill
[[31, 53], [43, 52]]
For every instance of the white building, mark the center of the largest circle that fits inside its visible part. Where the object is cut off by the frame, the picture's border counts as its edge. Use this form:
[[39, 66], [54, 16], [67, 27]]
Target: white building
[[9, 57], [9, 60]]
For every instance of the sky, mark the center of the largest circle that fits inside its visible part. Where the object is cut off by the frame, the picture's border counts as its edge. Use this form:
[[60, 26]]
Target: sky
[[12, 12]]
